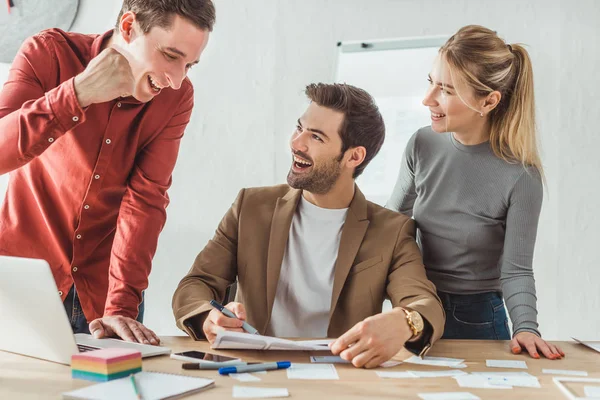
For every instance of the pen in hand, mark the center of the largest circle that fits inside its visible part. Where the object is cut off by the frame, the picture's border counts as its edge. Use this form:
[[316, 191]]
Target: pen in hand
[[246, 326]]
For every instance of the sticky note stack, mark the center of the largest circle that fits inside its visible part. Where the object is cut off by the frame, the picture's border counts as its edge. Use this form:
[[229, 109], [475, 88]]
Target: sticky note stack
[[106, 364]]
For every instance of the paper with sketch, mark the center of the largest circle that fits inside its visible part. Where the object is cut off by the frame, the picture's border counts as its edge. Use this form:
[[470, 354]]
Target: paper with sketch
[[246, 341], [591, 345]]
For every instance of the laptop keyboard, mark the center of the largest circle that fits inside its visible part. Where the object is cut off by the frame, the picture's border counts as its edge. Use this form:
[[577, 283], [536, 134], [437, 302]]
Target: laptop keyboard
[[83, 348]]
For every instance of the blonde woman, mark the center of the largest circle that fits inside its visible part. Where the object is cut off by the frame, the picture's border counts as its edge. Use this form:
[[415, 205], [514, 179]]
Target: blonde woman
[[473, 183]]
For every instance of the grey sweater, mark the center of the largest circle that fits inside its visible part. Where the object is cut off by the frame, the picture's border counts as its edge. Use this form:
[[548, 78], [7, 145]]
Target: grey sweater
[[477, 218]]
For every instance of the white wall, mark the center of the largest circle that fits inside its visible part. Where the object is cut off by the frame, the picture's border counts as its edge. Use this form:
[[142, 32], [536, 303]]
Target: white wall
[[249, 94]]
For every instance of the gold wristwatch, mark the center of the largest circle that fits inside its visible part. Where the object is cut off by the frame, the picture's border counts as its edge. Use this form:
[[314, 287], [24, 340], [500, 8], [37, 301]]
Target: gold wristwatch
[[415, 322]]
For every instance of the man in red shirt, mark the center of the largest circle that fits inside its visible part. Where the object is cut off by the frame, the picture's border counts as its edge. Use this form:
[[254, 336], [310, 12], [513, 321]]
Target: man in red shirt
[[90, 127]]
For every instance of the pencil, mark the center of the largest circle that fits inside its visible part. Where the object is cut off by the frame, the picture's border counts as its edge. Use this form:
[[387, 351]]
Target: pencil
[[135, 387]]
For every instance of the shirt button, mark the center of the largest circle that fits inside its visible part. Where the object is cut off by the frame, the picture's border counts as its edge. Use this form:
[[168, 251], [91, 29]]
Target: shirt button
[[75, 118], [108, 141], [50, 140], [74, 269], [78, 236], [97, 177], [119, 104], [87, 207], [60, 292]]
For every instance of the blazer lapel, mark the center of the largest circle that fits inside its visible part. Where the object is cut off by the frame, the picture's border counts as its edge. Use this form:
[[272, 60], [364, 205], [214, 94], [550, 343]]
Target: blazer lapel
[[280, 230], [353, 233]]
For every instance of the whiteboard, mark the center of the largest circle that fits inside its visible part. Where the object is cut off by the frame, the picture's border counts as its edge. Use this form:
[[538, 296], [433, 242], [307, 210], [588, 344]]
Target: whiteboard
[[394, 72]]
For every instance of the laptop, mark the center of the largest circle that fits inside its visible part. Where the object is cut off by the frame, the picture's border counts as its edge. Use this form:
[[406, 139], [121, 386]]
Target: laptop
[[33, 317]]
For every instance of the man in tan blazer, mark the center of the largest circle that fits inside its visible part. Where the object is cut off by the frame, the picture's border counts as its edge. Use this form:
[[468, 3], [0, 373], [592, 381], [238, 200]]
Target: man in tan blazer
[[314, 258]]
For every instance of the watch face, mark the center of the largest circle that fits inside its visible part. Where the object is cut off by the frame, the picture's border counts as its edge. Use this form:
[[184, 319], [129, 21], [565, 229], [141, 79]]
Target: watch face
[[416, 320]]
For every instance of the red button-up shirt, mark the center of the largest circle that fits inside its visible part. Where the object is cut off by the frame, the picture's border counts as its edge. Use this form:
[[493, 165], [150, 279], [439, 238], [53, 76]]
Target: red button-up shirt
[[88, 188]]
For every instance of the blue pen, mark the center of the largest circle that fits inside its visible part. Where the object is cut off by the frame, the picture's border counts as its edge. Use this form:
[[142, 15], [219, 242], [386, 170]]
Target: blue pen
[[246, 326], [254, 367]]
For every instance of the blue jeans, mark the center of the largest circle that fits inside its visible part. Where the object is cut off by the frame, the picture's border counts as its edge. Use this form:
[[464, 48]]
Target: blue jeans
[[78, 322], [475, 316]]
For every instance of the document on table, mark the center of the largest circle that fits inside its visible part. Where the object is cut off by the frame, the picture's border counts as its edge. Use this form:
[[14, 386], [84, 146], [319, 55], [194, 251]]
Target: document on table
[[438, 374], [516, 381], [340, 360], [477, 382], [249, 392], [591, 391], [506, 364], [591, 345], [509, 379], [566, 372], [312, 371], [246, 341], [437, 361]]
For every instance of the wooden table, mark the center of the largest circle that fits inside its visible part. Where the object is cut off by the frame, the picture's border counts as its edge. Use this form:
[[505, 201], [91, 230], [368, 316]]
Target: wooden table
[[28, 378]]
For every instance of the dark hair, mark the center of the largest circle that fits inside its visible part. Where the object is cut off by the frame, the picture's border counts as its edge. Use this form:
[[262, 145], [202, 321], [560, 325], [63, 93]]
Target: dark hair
[[362, 125], [151, 13]]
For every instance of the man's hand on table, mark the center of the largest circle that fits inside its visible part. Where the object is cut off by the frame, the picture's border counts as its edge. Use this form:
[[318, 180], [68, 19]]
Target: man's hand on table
[[126, 328], [374, 340]]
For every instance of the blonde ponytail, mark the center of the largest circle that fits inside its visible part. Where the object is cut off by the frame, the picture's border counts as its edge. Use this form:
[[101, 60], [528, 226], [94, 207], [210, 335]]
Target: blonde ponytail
[[486, 63]]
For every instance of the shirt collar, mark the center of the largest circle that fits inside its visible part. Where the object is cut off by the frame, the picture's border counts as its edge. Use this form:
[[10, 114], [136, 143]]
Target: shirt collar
[[96, 49], [98, 42]]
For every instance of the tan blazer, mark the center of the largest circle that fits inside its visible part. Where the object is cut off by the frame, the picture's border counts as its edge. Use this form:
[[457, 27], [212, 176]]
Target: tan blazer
[[378, 257]]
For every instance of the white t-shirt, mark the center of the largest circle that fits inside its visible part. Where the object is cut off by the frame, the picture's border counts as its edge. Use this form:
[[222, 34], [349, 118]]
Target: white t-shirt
[[303, 296]]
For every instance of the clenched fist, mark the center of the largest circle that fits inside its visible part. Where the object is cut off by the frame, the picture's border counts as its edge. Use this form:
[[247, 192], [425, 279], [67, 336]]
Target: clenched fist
[[106, 77]]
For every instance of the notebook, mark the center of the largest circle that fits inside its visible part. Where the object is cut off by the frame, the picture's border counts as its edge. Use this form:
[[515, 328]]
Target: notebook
[[241, 340], [152, 385]]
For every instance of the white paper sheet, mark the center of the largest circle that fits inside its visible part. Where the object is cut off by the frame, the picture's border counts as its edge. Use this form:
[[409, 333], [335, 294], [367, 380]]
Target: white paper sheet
[[390, 364], [245, 377], [506, 364], [438, 374], [591, 391], [435, 361], [493, 375], [566, 372], [249, 392], [591, 345], [477, 382], [246, 341], [395, 374], [449, 396], [518, 381], [312, 371]]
